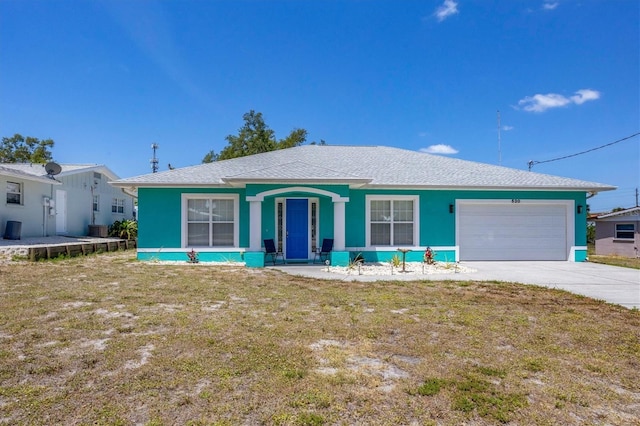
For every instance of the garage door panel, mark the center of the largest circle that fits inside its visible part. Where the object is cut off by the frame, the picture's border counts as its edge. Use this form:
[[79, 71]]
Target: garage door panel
[[533, 254], [512, 231]]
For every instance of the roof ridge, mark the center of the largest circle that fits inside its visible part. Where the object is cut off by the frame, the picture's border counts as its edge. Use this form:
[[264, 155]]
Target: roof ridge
[[305, 163]]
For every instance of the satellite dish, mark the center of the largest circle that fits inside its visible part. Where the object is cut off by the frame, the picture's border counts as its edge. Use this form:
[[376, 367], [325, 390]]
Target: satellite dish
[[52, 168]]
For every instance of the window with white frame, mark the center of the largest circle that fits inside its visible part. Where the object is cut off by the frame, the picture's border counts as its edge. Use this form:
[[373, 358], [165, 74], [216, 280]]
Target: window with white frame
[[211, 221], [14, 193], [117, 205], [392, 221], [96, 203], [625, 231]]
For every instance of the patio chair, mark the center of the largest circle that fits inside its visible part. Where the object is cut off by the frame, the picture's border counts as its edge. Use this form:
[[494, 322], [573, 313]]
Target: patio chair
[[324, 251], [270, 250]]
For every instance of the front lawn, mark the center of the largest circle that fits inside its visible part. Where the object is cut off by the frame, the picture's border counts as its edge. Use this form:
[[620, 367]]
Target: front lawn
[[626, 262], [109, 340]]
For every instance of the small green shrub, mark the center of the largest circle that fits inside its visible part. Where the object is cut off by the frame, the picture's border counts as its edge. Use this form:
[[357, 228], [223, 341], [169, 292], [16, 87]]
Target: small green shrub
[[126, 229]]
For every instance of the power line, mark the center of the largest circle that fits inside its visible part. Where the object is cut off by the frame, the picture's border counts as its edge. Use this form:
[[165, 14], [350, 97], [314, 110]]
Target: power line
[[533, 162]]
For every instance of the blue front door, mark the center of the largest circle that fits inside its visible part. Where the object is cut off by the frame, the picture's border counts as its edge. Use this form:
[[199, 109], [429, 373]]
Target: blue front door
[[297, 229]]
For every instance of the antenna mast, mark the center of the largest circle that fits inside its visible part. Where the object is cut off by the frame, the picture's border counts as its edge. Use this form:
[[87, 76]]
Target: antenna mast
[[154, 160], [499, 147]]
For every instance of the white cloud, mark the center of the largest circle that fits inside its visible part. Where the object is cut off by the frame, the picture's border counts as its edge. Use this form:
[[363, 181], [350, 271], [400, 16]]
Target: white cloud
[[507, 128], [439, 149], [540, 103], [585, 95], [550, 6], [448, 8]]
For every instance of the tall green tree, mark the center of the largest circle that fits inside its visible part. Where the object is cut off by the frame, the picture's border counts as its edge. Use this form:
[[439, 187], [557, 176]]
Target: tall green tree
[[18, 149], [210, 157], [255, 137]]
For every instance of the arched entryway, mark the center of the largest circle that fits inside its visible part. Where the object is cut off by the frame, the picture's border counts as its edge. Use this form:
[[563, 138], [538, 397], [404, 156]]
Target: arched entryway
[[297, 210]]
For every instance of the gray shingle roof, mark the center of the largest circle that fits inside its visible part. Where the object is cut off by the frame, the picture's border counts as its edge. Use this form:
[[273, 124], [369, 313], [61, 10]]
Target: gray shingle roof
[[38, 170], [368, 166], [18, 172], [633, 211]]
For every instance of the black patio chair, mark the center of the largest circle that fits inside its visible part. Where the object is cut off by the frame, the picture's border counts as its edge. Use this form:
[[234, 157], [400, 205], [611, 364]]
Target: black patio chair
[[324, 251], [270, 250]]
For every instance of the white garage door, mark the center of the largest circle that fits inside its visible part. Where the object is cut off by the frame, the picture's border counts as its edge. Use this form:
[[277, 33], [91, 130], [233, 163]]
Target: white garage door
[[513, 231]]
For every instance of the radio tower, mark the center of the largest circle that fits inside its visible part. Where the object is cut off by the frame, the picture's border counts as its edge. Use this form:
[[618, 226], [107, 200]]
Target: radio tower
[[154, 160], [499, 147]]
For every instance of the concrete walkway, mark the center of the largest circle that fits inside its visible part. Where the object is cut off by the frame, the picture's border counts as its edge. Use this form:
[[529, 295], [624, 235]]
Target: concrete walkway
[[603, 282]]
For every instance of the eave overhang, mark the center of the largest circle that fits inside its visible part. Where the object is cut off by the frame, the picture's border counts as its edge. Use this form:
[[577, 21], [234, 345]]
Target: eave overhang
[[29, 177]]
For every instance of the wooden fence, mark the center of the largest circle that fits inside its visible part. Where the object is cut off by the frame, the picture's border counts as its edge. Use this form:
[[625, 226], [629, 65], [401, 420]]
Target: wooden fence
[[78, 249]]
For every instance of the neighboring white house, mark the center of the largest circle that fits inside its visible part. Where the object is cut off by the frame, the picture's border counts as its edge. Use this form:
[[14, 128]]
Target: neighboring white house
[[62, 204], [618, 233]]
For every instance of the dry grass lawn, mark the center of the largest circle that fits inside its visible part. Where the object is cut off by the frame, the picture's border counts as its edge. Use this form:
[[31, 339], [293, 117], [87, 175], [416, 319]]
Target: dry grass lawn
[[109, 340], [626, 262]]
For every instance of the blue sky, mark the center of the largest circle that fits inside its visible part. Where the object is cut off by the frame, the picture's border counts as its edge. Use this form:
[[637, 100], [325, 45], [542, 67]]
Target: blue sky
[[106, 79]]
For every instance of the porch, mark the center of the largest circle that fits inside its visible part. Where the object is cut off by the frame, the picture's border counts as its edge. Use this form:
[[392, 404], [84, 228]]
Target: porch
[[297, 219]]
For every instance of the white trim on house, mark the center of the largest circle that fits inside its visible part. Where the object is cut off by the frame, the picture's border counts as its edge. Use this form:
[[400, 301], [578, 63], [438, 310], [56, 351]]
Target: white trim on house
[[11, 190], [416, 219], [310, 201], [188, 249], [210, 196], [617, 232], [627, 215], [262, 195]]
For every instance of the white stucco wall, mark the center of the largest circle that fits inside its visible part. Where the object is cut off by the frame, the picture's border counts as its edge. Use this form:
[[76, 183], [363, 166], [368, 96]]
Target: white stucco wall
[[38, 221], [31, 213]]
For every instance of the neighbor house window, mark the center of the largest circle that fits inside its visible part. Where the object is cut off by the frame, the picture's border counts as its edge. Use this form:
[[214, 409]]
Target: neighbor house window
[[14, 193], [117, 205], [211, 221], [392, 221], [625, 231], [96, 203]]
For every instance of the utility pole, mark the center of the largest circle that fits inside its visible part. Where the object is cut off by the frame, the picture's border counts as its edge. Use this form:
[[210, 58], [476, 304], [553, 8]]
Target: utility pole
[[154, 160], [637, 205]]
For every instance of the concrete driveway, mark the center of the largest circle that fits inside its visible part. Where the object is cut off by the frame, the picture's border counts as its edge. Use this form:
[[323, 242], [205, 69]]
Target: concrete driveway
[[609, 283]]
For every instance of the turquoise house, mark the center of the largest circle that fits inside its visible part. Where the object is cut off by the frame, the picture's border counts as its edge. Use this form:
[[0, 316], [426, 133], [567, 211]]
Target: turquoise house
[[371, 200]]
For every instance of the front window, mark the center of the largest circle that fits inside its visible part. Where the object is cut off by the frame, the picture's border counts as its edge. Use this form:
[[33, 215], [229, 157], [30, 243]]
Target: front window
[[14, 193], [392, 221], [625, 231], [96, 203], [212, 221], [117, 205]]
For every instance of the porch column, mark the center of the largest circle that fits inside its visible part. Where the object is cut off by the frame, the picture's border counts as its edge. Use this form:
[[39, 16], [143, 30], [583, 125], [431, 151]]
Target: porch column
[[338, 225], [255, 225]]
